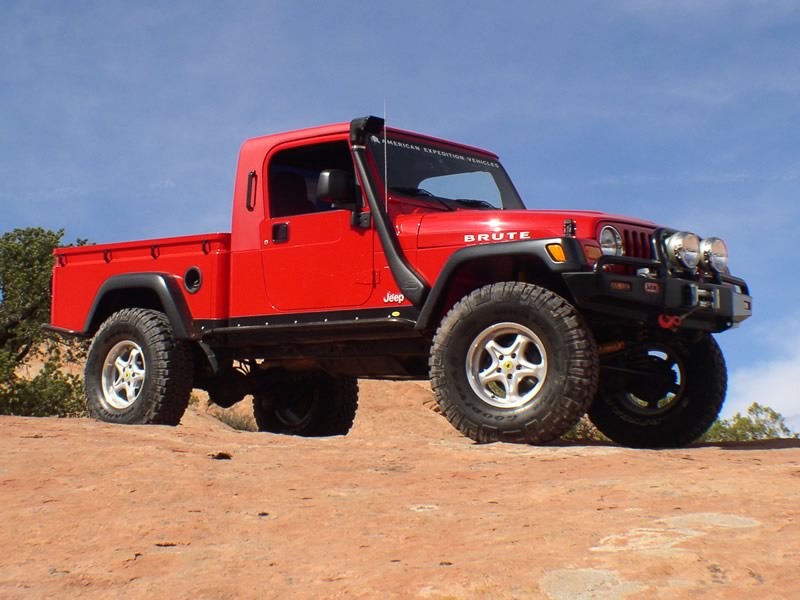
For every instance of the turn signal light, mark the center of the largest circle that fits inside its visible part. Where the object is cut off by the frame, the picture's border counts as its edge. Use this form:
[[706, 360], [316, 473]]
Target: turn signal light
[[556, 252], [592, 253]]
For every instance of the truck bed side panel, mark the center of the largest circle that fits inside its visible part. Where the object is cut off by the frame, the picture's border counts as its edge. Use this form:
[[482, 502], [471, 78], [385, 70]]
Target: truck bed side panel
[[79, 273]]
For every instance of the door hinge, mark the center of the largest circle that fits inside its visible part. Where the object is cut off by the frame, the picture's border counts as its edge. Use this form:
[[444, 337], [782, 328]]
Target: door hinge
[[366, 278]]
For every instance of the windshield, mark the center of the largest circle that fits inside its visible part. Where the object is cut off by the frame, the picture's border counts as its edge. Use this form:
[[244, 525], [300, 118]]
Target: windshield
[[449, 178]]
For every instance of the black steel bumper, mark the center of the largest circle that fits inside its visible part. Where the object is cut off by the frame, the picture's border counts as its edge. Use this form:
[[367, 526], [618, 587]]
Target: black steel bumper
[[666, 301]]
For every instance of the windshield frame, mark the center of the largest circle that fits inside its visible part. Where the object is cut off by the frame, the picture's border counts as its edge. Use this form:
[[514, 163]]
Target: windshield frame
[[444, 151]]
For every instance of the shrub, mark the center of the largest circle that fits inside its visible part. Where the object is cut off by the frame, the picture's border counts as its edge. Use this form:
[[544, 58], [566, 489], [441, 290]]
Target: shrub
[[26, 264], [758, 423], [584, 430], [51, 392], [236, 420]]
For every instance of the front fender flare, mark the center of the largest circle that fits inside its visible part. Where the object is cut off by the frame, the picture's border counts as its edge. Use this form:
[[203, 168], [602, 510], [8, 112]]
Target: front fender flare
[[531, 251]]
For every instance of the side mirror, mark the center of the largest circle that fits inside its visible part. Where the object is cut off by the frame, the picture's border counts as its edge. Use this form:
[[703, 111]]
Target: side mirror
[[338, 188]]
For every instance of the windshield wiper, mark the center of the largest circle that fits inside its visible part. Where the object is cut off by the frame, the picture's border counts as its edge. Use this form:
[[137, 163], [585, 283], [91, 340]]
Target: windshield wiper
[[421, 193], [483, 204]]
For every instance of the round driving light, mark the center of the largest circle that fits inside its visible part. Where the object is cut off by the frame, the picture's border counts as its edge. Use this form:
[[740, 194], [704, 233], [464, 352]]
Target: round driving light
[[714, 254], [683, 249], [611, 241]]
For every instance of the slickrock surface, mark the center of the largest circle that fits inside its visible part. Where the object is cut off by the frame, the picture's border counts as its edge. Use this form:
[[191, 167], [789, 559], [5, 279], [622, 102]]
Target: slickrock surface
[[402, 507]]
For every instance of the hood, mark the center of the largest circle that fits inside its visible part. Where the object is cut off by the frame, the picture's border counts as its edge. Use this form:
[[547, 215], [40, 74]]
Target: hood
[[462, 227]]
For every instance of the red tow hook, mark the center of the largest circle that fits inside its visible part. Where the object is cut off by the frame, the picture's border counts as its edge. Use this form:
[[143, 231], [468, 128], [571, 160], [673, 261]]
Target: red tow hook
[[669, 321]]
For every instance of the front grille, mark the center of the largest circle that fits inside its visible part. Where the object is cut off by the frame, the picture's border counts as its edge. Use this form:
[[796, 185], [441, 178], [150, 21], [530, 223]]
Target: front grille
[[638, 243]]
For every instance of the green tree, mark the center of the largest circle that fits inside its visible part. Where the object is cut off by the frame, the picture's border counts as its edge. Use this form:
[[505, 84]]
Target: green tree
[[758, 423], [26, 264]]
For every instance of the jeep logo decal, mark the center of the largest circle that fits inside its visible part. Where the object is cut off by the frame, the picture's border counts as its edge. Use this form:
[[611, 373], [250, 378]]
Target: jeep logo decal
[[392, 298]]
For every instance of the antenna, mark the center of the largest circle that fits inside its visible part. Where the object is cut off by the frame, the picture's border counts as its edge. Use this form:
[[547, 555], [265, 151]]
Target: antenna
[[385, 163]]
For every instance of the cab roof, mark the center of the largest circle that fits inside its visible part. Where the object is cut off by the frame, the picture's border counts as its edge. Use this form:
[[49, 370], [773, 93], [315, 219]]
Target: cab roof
[[264, 144]]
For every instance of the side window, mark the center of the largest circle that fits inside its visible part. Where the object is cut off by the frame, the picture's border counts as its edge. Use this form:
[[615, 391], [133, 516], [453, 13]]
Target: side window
[[293, 176]]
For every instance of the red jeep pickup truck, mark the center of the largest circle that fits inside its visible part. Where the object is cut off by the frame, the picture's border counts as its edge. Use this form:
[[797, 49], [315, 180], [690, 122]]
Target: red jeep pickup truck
[[360, 251]]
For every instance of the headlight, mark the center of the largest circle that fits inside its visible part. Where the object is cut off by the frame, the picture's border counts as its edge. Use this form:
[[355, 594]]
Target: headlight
[[683, 249], [611, 241], [714, 254]]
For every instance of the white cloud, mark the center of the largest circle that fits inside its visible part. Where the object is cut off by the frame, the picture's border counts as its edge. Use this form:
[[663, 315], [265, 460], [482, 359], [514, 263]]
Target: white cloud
[[162, 185], [774, 382]]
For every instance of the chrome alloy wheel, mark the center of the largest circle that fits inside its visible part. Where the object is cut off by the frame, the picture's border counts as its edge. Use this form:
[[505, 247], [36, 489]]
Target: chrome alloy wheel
[[124, 372], [507, 365]]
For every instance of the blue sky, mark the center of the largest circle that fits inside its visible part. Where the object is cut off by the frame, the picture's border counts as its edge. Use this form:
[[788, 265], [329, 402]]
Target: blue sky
[[122, 120]]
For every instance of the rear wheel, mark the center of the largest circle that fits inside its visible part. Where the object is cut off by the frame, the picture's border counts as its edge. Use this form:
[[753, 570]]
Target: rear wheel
[[136, 372], [307, 404], [513, 362], [661, 395]]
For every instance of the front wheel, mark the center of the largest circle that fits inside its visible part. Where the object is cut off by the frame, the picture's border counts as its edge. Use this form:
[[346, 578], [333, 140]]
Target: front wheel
[[661, 395], [513, 362], [310, 404], [136, 372]]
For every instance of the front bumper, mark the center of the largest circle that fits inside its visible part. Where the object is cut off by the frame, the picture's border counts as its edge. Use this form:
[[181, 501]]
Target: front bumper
[[664, 300]]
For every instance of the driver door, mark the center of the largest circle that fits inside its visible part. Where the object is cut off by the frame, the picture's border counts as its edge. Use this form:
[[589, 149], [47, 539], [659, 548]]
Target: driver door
[[313, 258]]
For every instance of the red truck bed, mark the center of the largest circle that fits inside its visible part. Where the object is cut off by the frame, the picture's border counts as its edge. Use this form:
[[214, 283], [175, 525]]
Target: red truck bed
[[200, 263]]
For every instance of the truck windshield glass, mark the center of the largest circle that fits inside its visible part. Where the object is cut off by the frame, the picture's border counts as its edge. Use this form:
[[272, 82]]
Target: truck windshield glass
[[449, 178]]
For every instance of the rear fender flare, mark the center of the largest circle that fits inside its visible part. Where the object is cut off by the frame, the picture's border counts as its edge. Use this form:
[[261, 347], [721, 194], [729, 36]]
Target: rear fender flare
[[165, 286]]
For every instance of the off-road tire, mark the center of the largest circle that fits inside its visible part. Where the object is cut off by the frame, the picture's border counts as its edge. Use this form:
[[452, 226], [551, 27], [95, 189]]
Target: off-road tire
[[308, 404], [568, 358], [687, 417], [163, 366]]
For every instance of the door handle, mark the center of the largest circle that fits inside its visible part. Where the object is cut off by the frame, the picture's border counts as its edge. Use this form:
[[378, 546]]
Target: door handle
[[280, 232], [250, 203]]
